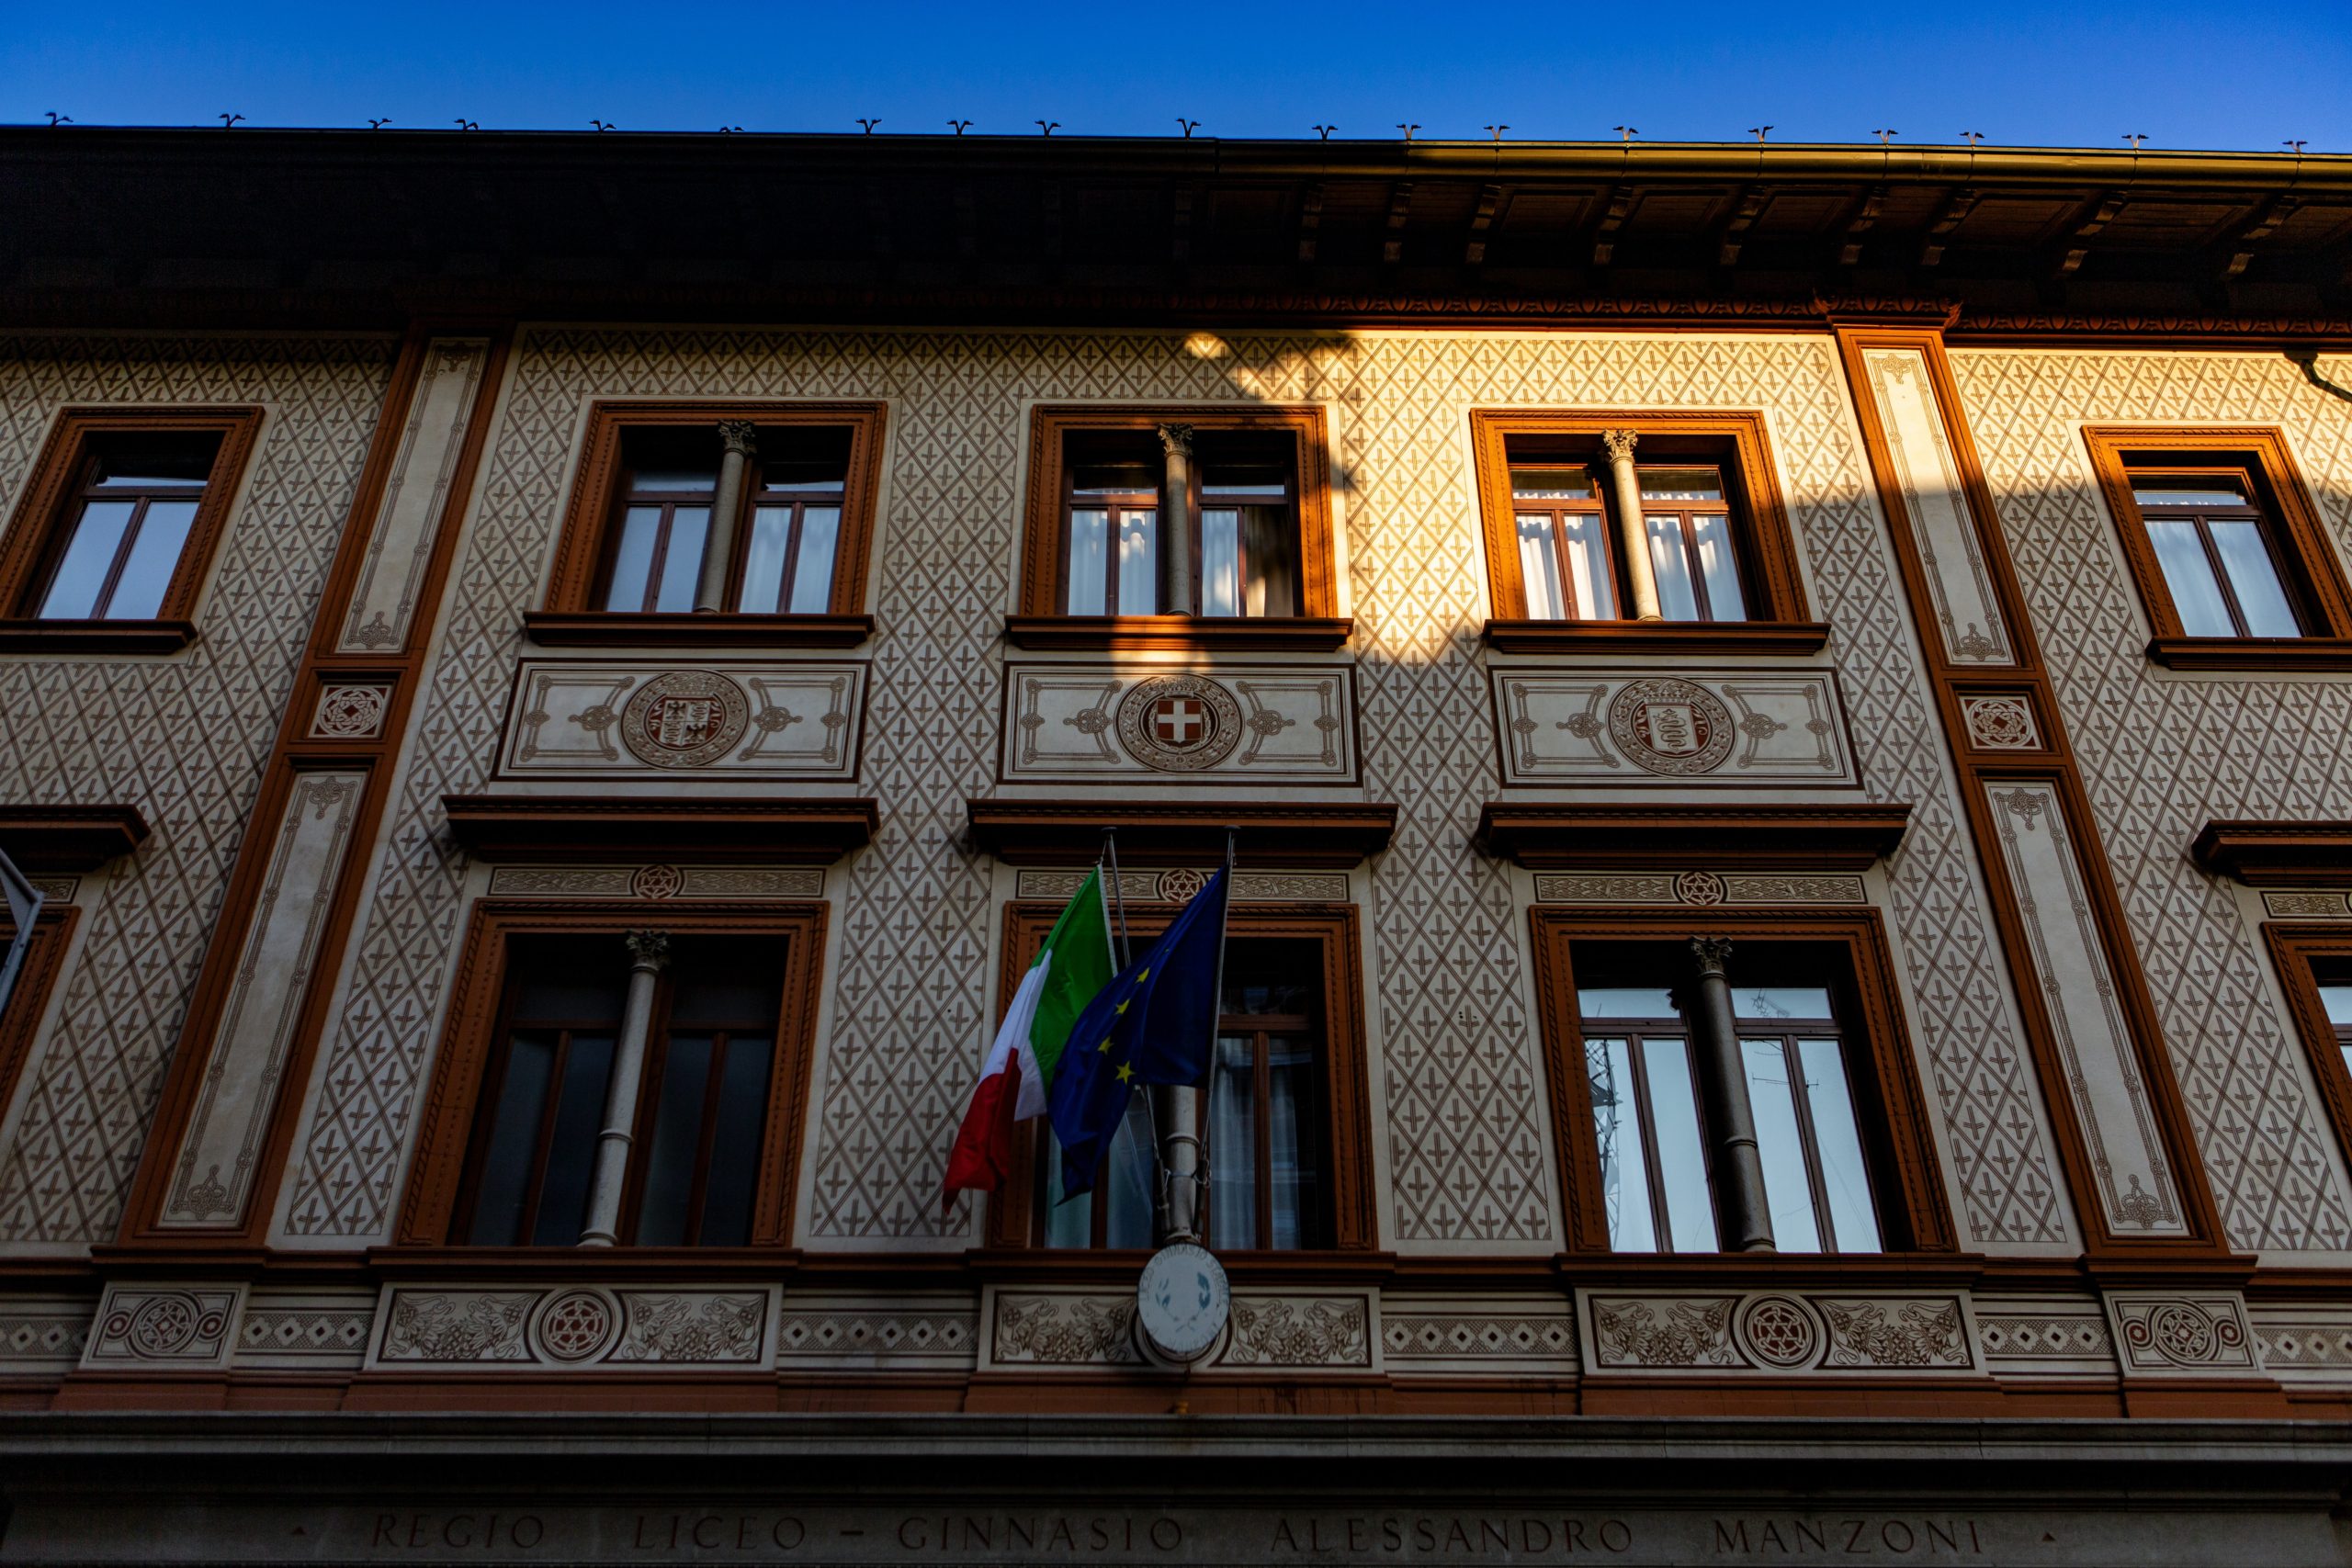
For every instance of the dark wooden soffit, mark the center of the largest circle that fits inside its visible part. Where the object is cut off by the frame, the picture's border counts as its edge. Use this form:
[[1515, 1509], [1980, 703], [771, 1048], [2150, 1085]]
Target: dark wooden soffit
[[1181, 832], [1544, 836], [69, 837], [305, 228], [2276, 854], [756, 830]]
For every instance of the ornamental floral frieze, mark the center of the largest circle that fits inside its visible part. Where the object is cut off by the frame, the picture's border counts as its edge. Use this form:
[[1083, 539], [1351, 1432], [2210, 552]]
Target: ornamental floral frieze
[[1638, 726], [574, 1328], [1778, 1332], [1088, 1329], [1699, 889], [1167, 724], [1178, 886], [646, 719]]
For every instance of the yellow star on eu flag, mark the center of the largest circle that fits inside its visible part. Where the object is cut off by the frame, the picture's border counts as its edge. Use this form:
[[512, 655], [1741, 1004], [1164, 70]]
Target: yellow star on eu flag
[[1125, 1071]]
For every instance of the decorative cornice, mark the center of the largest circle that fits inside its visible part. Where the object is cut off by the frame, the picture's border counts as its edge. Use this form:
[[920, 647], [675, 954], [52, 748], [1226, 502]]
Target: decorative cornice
[[1164, 832], [69, 837], [765, 830], [1548, 835], [2276, 854]]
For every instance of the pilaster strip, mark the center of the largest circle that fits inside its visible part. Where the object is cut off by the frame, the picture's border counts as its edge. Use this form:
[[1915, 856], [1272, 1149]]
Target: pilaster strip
[[2122, 1131], [372, 624]]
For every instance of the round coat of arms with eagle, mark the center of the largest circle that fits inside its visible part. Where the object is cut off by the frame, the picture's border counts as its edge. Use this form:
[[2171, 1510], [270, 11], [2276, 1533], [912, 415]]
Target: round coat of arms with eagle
[[685, 720], [1179, 723], [1670, 727]]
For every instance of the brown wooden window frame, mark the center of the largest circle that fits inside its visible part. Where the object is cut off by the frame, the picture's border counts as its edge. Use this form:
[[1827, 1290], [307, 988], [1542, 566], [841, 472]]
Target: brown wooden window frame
[[572, 614], [37, 978], [1014, 1215], [1040, 621], [1731, 440], [46, 513], [1898, 1140], [2293, 949], [431, 1206], [2308, 569]]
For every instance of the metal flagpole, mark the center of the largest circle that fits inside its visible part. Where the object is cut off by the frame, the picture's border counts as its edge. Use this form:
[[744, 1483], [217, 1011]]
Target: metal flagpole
[[1119, 893], [1148, 1174]]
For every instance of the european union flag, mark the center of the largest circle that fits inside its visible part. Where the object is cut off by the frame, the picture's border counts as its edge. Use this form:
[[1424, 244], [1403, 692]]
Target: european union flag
[[1151, 1024]]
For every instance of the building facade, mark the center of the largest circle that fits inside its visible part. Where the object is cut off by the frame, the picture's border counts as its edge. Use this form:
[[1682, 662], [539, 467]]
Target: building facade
[[1781, 713]]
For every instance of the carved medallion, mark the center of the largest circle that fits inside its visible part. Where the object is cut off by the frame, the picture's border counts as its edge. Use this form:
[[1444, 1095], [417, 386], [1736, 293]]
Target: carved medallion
[[576, 1325], [1179, 723], [1780, 1332], [1670, 727], [685, 720]]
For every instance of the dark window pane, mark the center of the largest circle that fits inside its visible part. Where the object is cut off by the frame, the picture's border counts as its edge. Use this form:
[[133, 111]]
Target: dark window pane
[[156, 460], [1680, 484], [1295, 1148], [1625, 1002], [2189, 490], [732, 986], [662, 1218], [571, 1152], [578, 983], [505, 1179], [732, 1191], [1233, 1144], [1575, 484]]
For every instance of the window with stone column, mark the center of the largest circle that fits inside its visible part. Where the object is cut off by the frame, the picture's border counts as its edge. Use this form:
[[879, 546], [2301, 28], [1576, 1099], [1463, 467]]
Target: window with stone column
[[717, 523], [611, 1085], [1734, 1090], [1173, 527], [1661, 529]]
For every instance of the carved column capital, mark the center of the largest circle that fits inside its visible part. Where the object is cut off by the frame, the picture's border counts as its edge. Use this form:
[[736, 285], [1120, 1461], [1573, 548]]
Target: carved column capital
[[738, 436], [1713, 953], [1177, 439], [648, 950], [1619, 444]]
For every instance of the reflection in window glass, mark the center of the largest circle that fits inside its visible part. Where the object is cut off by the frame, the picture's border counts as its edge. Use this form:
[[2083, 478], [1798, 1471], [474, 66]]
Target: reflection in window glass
[[2255, 578], [74, 591], [1682, 1156], [1844, 1177], [1678, 596], [1139, 562], [1090, 529], [1617, 1129], [1781, 1146], [812, 574], [1220, 562]]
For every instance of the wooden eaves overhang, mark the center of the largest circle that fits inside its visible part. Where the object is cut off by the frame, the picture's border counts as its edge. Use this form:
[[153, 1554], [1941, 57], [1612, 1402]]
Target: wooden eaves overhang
[[260, 227]]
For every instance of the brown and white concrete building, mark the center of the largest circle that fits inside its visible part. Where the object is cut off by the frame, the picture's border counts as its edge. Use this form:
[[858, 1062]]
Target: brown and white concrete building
[[1787, 714]]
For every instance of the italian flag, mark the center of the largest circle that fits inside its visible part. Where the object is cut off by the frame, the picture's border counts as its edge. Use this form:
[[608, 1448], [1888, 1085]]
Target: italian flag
[[1073, 966]]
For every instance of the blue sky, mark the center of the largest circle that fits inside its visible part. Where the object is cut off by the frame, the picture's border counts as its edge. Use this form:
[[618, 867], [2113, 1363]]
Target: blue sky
[[2024, 74]]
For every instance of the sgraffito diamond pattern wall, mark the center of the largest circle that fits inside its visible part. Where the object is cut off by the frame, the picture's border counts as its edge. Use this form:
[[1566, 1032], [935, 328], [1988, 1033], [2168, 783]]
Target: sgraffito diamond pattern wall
[[185, 739], [1464, 1142], [2161, 752]]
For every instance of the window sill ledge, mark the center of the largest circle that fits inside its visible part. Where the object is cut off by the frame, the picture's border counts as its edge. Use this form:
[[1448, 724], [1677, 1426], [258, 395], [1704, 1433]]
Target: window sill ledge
[[29, 636], [591, 628], [2294, 654], [1658, 636], [1180, 634]]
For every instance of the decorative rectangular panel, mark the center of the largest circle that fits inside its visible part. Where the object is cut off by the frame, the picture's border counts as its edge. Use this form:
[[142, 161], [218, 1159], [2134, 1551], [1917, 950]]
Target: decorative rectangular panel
[[2135, 1185], [888, 1332], [1488, 1336], [1633, 726], [400, 540], [644, 719], [1177, 887], [1777, 1331], [2182, 1332], [1075, 1329], [1698, 888], [657, 882], [43, 1336], [574, 1328], [308, 1330], [1270, 724], [222, 1145], [1968, 616], [177, 1327]]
